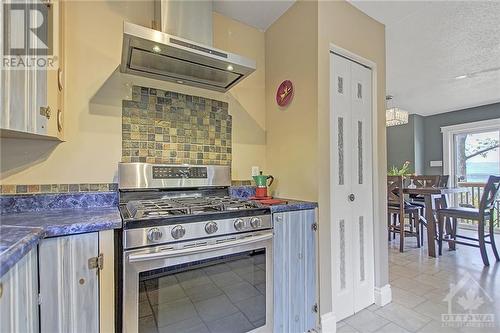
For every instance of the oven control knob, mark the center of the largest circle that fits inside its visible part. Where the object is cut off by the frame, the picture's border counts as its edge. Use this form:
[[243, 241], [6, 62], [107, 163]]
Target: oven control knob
[[239, 224], [154, 234], [178, 232], [211, 227], [256, 222]]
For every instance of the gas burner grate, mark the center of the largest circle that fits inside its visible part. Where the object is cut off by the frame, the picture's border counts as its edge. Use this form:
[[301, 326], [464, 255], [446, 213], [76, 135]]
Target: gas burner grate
[[185, 206]]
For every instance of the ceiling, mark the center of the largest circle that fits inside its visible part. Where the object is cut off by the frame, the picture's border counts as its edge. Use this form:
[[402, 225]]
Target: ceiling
[[256, 13], [441, 56]]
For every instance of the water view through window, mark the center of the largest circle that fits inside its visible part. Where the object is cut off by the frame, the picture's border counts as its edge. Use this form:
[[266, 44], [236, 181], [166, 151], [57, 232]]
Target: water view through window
[[477, 156]]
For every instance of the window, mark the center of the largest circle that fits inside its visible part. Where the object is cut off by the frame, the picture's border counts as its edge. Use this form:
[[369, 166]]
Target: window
[[476, 156]]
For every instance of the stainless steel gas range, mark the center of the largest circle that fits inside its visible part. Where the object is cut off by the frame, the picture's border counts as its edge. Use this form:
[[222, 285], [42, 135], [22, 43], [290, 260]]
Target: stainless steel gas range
[[191, 259]]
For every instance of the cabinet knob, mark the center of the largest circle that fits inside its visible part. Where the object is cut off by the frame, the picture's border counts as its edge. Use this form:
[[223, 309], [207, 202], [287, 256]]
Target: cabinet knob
[[45, 111], [352, 197]]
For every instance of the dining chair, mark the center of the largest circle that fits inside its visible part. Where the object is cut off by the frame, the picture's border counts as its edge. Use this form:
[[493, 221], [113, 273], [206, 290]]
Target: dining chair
[[443, 180], [397, 210], [481, 214]]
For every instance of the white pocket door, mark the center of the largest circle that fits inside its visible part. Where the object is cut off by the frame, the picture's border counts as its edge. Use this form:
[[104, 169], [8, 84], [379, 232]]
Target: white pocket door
[[352, 188]]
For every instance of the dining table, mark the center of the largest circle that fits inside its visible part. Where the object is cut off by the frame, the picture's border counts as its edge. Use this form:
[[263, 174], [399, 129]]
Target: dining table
[[430, 195]]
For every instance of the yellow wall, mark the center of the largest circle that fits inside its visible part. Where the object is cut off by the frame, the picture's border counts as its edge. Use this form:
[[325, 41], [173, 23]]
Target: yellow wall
[[291, 54], [247, 102], [298, 151], [95, 89], [345, 26]]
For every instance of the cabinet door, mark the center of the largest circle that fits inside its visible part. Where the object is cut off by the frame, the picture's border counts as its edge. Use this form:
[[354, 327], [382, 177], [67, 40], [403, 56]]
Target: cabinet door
[[294, 253], [14, 83], [19, 296], [31, 97], [54, 77], [68, 287]]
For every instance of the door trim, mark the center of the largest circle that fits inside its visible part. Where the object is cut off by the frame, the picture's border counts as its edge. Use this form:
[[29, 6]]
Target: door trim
[[376, 184]]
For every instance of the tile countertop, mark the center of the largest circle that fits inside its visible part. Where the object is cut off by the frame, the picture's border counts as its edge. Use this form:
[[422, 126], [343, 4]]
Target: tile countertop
[[20, 231]]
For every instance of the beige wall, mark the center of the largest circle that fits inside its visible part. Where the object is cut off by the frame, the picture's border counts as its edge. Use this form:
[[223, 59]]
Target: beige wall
[[343, 25], [95, 89], [298, 151], [247, 99], [292, 141]]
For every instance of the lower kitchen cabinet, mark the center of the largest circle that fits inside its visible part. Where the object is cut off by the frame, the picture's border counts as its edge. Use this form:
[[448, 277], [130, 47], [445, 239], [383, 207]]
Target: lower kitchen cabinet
[[294, 267], [69, 284], [19, 296]]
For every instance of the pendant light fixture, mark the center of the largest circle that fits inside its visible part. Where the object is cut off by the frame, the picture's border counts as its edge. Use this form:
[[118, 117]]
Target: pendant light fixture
[[394, 116]]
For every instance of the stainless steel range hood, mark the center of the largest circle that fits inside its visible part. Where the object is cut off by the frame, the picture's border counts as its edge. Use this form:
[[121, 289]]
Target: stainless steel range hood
[[166, 56]]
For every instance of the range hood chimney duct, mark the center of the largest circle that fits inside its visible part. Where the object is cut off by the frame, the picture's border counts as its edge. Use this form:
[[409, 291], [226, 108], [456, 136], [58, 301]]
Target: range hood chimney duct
[[187, 19]]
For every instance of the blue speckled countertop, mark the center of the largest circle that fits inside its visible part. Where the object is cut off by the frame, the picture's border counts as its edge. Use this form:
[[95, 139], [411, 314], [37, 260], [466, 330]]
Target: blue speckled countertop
[[292, 205], [15, 242], [21, 230], [67, 221], [246, 192]]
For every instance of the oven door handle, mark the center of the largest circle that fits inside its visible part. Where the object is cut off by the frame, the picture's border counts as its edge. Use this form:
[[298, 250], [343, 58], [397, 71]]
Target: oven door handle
[[164, 254]]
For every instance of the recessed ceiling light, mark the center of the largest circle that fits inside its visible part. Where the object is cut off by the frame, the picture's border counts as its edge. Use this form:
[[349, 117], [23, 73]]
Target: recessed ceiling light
[[156, 49], [229, 67], [460, 77], [180, 81]]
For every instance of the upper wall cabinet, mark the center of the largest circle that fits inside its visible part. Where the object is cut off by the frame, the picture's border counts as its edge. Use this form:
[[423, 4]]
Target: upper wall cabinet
[[31, 91]]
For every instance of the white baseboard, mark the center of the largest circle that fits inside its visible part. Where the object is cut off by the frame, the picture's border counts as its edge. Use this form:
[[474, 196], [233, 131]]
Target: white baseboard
[[328, 323], [383, 295]]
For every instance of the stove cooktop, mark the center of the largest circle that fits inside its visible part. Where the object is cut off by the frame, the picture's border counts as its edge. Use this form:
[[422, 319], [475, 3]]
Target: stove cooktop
[[154, 208], [186, 209]]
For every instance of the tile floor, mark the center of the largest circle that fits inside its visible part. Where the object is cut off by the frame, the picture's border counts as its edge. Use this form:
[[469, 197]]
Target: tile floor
[[420, 284], [226, 297]]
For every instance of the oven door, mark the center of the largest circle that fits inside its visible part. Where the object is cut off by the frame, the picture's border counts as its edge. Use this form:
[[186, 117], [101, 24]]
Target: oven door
[[223, 285]]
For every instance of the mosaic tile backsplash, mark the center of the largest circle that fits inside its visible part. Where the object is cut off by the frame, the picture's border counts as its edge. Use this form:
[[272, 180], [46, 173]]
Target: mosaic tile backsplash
[[167, 127]]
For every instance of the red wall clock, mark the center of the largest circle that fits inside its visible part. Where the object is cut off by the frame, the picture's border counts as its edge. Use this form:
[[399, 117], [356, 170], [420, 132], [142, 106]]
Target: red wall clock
[[284, 93]]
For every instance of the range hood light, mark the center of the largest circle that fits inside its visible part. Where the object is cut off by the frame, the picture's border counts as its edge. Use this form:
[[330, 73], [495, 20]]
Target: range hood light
[[179, 81], [156, 49], [229, 67]]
